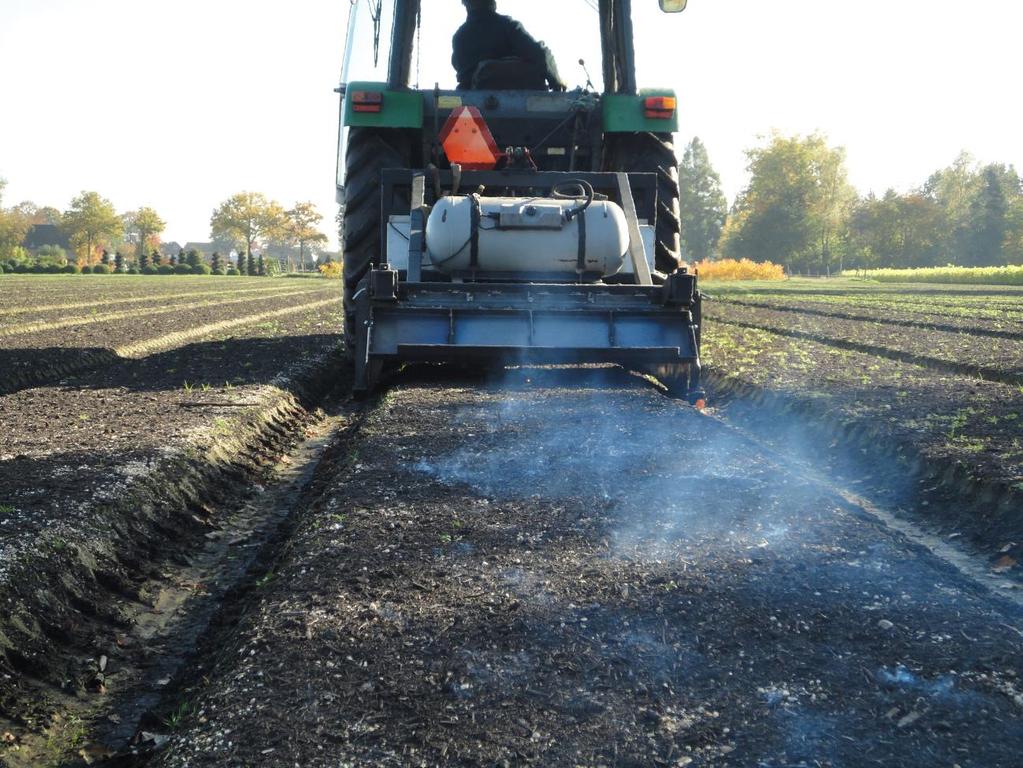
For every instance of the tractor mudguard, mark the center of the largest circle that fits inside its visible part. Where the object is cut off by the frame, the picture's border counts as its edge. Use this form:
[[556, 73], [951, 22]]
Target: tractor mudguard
[[395, 109], [624, 113]]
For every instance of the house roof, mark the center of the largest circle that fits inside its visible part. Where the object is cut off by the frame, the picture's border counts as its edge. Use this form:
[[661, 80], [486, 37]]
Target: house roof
[[45, 234]]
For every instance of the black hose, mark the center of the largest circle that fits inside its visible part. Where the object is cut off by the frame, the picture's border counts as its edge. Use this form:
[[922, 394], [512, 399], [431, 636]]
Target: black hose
[[584, 188]]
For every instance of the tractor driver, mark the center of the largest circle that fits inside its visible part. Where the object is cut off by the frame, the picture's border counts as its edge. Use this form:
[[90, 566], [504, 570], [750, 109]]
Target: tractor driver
[[492, 51]]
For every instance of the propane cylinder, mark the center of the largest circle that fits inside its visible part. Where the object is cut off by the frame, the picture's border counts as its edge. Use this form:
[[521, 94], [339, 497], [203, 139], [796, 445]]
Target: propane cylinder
[[532, 235]]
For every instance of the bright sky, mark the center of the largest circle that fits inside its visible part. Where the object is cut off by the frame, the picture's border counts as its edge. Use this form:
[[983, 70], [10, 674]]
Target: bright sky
[[178, 104]]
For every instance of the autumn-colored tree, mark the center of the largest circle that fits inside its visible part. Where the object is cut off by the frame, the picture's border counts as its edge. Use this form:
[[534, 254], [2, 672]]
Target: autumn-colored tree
[[13, 228], [276, 229], [89, 222], [243, 219], [145, 226], [304, 220]]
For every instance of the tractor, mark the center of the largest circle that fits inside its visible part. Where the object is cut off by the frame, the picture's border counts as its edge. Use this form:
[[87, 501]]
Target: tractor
[[496, 226]]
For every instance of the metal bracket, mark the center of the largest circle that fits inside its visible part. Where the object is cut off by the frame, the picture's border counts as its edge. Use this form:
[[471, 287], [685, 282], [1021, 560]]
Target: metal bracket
[[417, 229], [640, 268]]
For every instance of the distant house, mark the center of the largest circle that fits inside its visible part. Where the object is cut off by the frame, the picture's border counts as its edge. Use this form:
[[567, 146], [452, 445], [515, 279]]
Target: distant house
[[170, 249], [45, 234]]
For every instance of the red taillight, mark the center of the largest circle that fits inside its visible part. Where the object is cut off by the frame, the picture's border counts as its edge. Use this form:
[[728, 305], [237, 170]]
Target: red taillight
[[367, 101], [659, 107]]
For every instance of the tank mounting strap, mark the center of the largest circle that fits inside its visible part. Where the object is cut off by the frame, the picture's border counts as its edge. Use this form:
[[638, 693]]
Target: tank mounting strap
[[640, 268], [580, 266], [474, 233]]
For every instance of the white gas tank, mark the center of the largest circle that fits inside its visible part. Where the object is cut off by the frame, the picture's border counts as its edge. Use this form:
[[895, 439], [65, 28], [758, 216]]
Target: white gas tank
[[528, 235]]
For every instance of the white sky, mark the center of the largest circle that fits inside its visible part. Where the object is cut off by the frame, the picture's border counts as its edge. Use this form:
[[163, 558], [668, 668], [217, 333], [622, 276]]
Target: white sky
[[179, 104]]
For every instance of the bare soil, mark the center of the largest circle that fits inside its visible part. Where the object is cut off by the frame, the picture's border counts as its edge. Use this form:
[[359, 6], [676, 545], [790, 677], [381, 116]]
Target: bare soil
[[570, 569], [115, 474]]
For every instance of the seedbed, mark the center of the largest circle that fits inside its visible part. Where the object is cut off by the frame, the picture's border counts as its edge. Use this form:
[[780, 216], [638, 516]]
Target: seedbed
[[960, 317], [73, 344], [966, 353]]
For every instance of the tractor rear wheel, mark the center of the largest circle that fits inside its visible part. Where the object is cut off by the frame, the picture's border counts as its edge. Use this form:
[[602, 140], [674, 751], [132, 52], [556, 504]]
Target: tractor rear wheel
[[653, 153], [368, 152]]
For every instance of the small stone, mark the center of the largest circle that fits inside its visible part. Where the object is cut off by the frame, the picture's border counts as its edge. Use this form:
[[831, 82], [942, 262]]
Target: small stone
[[885, 624]]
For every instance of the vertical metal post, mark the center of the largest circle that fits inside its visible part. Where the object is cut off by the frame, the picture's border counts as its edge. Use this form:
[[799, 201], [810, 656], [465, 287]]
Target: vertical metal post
[[403, 34], [607, 44], [626, 50], [416, 229]]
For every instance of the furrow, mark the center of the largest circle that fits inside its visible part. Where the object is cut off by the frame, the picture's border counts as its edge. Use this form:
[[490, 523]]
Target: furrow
[[134, 300], [924, 325], [933, 363], [112, 316]]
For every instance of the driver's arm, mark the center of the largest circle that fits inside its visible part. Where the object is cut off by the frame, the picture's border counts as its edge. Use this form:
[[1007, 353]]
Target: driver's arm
[[526, 47]]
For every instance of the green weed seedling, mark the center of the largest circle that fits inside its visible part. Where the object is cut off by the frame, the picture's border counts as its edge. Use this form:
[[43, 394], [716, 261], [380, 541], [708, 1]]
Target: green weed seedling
[[177, 717]]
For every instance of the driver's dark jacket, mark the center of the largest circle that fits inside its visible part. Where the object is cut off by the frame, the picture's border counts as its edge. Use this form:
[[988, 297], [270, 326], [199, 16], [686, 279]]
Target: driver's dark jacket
[[489, 35]]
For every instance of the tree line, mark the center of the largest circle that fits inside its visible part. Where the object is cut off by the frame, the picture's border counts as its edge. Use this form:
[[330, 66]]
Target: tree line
[[799, 210], [101, 239]]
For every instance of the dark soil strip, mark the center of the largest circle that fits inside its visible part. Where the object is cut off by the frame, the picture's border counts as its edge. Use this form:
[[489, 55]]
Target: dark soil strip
[[65, 601], [945, 366], [26, 368], [48, 368], [986, 513], [880, 318]]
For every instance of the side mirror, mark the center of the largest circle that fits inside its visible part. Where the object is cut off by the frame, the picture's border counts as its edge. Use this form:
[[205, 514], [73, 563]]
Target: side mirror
[[673, 6]]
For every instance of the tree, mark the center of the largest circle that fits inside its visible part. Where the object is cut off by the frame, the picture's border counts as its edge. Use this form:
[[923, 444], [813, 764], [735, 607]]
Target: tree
[[146, 226], [250, 264], [194, 258], [989, 216], [796, 207], [261, 266], [118, 262], [276, 232], [702, 204], [215, 263], [143, 259], [243, 219], [304, 219], [89, 222]]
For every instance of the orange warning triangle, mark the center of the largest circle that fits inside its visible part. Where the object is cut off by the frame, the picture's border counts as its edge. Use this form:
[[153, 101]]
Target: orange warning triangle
[[467, 140]]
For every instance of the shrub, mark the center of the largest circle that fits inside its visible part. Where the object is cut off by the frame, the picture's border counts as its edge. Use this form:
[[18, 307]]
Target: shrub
[[218, 271], [149, 269], [101, 269], [331, 270], [51, 254], [132, 270], [165, 269], [201, 269], [182, 269], [743, 269], [71, 269], [37, 269], [1011, 275], [86, 270], [52, 269], [1, 269], [21, 268], [233, 271]]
